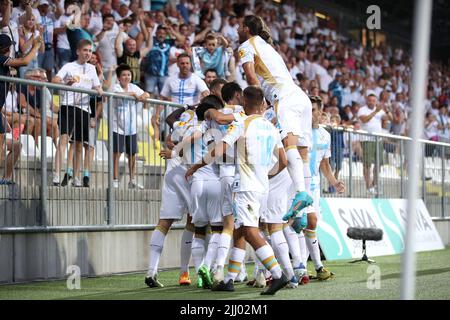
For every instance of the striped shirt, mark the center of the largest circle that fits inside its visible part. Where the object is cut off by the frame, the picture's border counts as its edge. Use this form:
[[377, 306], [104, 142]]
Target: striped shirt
[[184, 91]]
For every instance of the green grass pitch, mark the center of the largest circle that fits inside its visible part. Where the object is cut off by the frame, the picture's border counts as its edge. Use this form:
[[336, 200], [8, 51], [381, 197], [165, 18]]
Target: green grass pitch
[[350, 282]]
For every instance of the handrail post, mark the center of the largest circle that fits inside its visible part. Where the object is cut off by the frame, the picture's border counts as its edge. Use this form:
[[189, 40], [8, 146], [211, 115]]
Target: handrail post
[[350, 163], [423, 172], [44, 189], [377, 165], [110, 202], [443, 181], [402, 158]]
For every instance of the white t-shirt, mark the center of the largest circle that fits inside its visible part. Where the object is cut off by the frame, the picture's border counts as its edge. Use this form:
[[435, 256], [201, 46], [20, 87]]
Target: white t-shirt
[[325, 78], [431, 130], [11, 102], [124, 111], [86, 78], [13, 32], [321, 149], [374, 125], [256, 139], [184, 91], [29, 35], [96, 23], [106, 48], [62, 41], [231, 32], [17, 12]]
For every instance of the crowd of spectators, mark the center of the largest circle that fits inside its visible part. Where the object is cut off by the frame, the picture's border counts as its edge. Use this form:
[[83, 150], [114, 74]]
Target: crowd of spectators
[[361, 87]]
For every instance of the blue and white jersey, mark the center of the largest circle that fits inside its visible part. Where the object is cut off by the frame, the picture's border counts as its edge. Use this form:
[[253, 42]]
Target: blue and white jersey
[[124, 111], [321, 149], [195, 152], [256, 140], [218, 131], [184, 91]]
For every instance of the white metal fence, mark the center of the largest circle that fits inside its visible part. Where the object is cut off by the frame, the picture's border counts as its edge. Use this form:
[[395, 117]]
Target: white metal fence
[[33, 202]]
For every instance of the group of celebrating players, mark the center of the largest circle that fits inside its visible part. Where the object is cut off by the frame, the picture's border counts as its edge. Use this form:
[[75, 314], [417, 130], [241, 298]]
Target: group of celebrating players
[[246, 165]]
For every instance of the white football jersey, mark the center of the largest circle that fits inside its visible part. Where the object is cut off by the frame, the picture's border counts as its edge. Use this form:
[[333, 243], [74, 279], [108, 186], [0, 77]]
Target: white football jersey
[[256, 140], [269, 67], [187, 119]]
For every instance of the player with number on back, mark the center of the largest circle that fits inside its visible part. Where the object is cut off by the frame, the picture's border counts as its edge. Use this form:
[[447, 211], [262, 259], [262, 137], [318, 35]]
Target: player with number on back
[[257, 141]]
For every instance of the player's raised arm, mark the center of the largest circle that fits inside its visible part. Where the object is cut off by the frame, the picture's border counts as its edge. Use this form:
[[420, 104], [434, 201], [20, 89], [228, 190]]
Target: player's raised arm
[[219, 117]]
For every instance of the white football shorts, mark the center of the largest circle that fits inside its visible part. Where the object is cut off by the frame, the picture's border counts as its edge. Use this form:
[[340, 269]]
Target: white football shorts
[[175, 194], [294, 114], [206, 202]]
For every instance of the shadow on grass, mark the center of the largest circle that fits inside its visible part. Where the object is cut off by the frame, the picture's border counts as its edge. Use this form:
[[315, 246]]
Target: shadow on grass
[[419, 274], [174, 292]]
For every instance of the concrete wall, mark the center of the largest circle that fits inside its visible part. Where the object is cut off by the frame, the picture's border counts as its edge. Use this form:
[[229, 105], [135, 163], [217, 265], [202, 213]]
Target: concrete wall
[[36, 256]]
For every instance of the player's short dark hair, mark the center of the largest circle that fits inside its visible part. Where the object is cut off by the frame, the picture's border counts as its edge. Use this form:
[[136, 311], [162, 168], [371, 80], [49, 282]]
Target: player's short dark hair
[[183, 55], [371, 95], [106, 16], [121, 68], [229, 90], [216, 82], [161, 27], [254, 95], [208, 102], [83, 43], [211, 70]]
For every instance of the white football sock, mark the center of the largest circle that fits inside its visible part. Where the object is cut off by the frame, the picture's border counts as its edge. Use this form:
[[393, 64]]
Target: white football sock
[[295, 168], [211, 253], [313, 246], [267, 257], [185, 250], [303, 248], [198, 250], [281, 249], [294, 245], [224, 247], [237, 257], [156, 247]]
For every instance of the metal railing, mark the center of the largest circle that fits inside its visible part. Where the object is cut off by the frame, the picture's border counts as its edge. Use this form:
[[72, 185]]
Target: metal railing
[[383, 157], [34, 204], [34, 201]]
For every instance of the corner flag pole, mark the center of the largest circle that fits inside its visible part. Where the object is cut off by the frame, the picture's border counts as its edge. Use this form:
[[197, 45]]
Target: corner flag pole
[[421, 46]]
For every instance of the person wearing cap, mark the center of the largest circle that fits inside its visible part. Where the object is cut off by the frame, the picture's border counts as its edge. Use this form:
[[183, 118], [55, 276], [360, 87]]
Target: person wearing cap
[[5, 63]]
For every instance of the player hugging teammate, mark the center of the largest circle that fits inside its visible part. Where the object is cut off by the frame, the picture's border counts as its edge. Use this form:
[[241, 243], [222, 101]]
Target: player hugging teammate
[[239, 166]]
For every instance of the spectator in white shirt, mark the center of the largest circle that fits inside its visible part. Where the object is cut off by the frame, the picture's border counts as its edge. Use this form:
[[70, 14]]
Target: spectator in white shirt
[[184, 88], [96, 22], [371, 116]]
